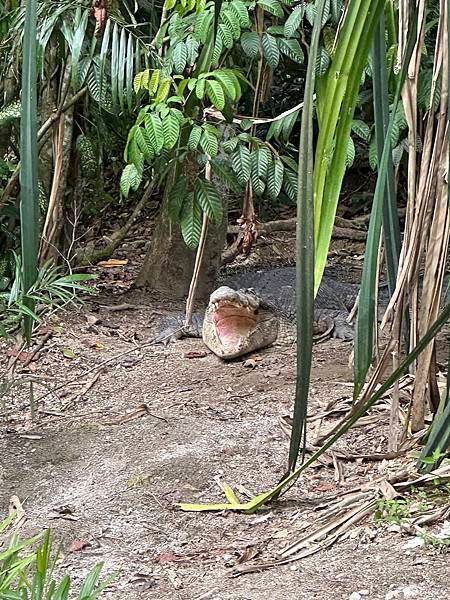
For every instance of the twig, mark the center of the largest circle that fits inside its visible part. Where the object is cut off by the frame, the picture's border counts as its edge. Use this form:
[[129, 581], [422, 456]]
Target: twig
[[290, 224], [198, 259], [108, 360], [38, 348], [73, 399]]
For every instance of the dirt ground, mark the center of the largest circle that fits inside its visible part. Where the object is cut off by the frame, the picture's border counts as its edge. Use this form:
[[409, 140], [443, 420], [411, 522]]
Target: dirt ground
[[118, 444]]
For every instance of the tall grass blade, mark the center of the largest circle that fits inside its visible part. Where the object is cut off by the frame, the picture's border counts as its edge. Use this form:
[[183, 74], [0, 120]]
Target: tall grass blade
[[391, 227], [29, 191], [304, 289], [366, 304], [439, 437], [337, 107]]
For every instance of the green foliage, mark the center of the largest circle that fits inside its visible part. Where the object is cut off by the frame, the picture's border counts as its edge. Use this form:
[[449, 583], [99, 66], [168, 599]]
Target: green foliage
[[197, 78], [28, 567], [10, 113], [50, 291], [396, 511]]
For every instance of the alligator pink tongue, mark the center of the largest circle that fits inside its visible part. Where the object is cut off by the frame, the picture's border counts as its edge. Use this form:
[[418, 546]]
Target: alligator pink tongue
[[232, 326]]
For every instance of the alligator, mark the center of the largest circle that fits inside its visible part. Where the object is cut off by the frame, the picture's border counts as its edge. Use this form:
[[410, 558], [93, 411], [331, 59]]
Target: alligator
[[255, 309]]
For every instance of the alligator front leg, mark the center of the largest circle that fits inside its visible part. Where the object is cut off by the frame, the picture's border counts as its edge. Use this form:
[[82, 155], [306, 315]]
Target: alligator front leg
[[333, 323], [173, 328]]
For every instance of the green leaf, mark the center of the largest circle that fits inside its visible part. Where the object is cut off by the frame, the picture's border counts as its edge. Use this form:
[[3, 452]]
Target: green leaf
[[293, 21], [291, 184], [154, 82], [171, 131], [202, 25], [180, 57], [131, 179], [154, 128], [323, 62], [209, 142], [144, 143], [275, 129], [229, 83], [163, 90], [272, 6], [275, 174], [226, 35], [270, 50], [230, 145], [215, 93], [260, 158], [288, 123], [176, 197], [241, 12], [217, 52], [329, 36], [194, 137], [361, 129], [207, 196], [192, 46], [292, 49], [350, 158], [121, 73], [141, 80], [242, 163], [191, 221], [200, 88], [250, 44], [223, 170], [129, 69], [232, 23], [373, 154]]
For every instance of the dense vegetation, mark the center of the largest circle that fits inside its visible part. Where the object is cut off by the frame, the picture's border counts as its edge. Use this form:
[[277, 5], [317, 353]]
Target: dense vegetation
[[192, 101]]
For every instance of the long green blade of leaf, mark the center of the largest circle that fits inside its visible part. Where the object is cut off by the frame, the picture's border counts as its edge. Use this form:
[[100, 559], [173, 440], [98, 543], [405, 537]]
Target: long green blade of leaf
[[338, 106], [129, 72], [304, 288], [121, 66], [29, 190], [115, 64], [391, 228], [366, 304]]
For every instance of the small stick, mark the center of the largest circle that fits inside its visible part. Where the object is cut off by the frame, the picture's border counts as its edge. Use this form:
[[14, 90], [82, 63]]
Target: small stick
[[198, 259]]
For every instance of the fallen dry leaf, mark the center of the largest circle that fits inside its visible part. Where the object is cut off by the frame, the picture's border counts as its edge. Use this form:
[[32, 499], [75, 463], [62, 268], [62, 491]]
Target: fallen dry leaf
[[167, 557], [98, 346], [112, 262], [195, 354], [78, 545]]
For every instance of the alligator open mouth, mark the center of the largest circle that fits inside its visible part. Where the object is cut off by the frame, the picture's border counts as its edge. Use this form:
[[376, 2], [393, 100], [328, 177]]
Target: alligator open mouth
[[236, 323]]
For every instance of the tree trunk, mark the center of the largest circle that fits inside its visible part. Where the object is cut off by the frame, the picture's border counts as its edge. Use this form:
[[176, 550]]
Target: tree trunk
[[169, 263]]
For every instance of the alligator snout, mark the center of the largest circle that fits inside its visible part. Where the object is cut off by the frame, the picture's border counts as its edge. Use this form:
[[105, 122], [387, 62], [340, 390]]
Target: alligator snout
[[235, 324]]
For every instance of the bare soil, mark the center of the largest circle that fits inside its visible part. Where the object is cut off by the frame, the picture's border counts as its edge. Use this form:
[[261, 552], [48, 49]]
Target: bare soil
[[104, 467]]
